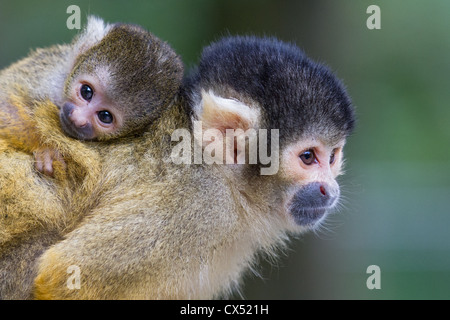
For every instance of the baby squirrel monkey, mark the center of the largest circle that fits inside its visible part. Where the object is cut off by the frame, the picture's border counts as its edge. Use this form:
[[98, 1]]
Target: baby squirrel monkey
[[111, 81]]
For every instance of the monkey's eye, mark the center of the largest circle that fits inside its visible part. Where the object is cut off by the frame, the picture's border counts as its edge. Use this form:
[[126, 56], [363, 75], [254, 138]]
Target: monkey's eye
[[86, 92], [332, 157], [105, 116], [308, 157]]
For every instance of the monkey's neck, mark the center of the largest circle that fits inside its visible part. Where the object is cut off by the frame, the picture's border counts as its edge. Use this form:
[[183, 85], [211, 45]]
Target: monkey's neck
[[173, 118]]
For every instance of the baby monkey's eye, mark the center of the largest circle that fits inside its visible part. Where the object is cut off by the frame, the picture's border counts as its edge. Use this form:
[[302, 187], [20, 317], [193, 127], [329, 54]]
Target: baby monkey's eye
[[105, 116], [308, 157], [86, 92]]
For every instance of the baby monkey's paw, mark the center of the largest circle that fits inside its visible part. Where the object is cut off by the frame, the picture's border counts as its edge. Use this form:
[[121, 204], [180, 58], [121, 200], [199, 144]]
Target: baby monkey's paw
[[44, 159]]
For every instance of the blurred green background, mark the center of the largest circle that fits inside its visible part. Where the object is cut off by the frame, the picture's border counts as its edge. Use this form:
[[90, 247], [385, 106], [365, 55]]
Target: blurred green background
[[395, 212]]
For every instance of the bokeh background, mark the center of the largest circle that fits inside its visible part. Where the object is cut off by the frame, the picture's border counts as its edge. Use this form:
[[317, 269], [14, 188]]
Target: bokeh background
[[397, 187]]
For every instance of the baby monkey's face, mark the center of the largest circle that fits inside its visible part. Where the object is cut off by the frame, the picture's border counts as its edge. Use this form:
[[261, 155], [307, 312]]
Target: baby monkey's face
[[311, 167], [88, 113]]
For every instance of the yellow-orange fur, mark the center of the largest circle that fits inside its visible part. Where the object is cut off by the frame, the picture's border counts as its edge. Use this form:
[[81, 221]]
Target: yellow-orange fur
[[17, 127], [82, 170], [36, 210]]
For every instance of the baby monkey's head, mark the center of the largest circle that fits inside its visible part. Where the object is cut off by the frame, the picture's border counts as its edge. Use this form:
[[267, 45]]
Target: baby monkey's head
[[122, 78]]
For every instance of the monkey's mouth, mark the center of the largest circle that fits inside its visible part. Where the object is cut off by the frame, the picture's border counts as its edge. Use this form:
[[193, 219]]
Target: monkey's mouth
[[83, 134], [307, 216], [67, 127], [310, 203]]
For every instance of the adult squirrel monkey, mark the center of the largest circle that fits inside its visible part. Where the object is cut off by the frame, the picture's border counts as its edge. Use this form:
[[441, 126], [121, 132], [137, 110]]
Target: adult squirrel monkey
[[162, 229]]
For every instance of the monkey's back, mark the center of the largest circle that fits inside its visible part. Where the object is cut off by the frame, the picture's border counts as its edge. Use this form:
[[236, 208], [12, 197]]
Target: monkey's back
[[38, 75]]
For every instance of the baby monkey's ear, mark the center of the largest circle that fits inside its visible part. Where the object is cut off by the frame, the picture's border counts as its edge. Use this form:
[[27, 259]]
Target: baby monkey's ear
[[227, 123], [94, 31]]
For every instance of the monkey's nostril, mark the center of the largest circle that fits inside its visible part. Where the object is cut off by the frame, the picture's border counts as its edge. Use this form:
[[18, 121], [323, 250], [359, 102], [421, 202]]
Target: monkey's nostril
[[322, 191]]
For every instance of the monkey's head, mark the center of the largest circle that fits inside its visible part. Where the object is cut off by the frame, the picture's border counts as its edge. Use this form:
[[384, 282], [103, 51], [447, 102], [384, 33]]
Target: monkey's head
[[122, 78], [252, 84]]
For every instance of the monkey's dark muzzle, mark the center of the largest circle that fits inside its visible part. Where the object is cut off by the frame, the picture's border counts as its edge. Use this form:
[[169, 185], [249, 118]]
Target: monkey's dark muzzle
[[311, 203], [81, 133], [307, 216]]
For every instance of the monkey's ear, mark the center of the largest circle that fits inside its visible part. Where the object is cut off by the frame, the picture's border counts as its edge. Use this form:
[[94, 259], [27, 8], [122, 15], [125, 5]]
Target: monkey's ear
[[218, 117], [221, 113], [93, 33]]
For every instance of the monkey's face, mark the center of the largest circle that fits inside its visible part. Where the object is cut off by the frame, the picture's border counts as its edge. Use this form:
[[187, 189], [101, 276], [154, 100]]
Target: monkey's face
[[310, 168], [88, 113]]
